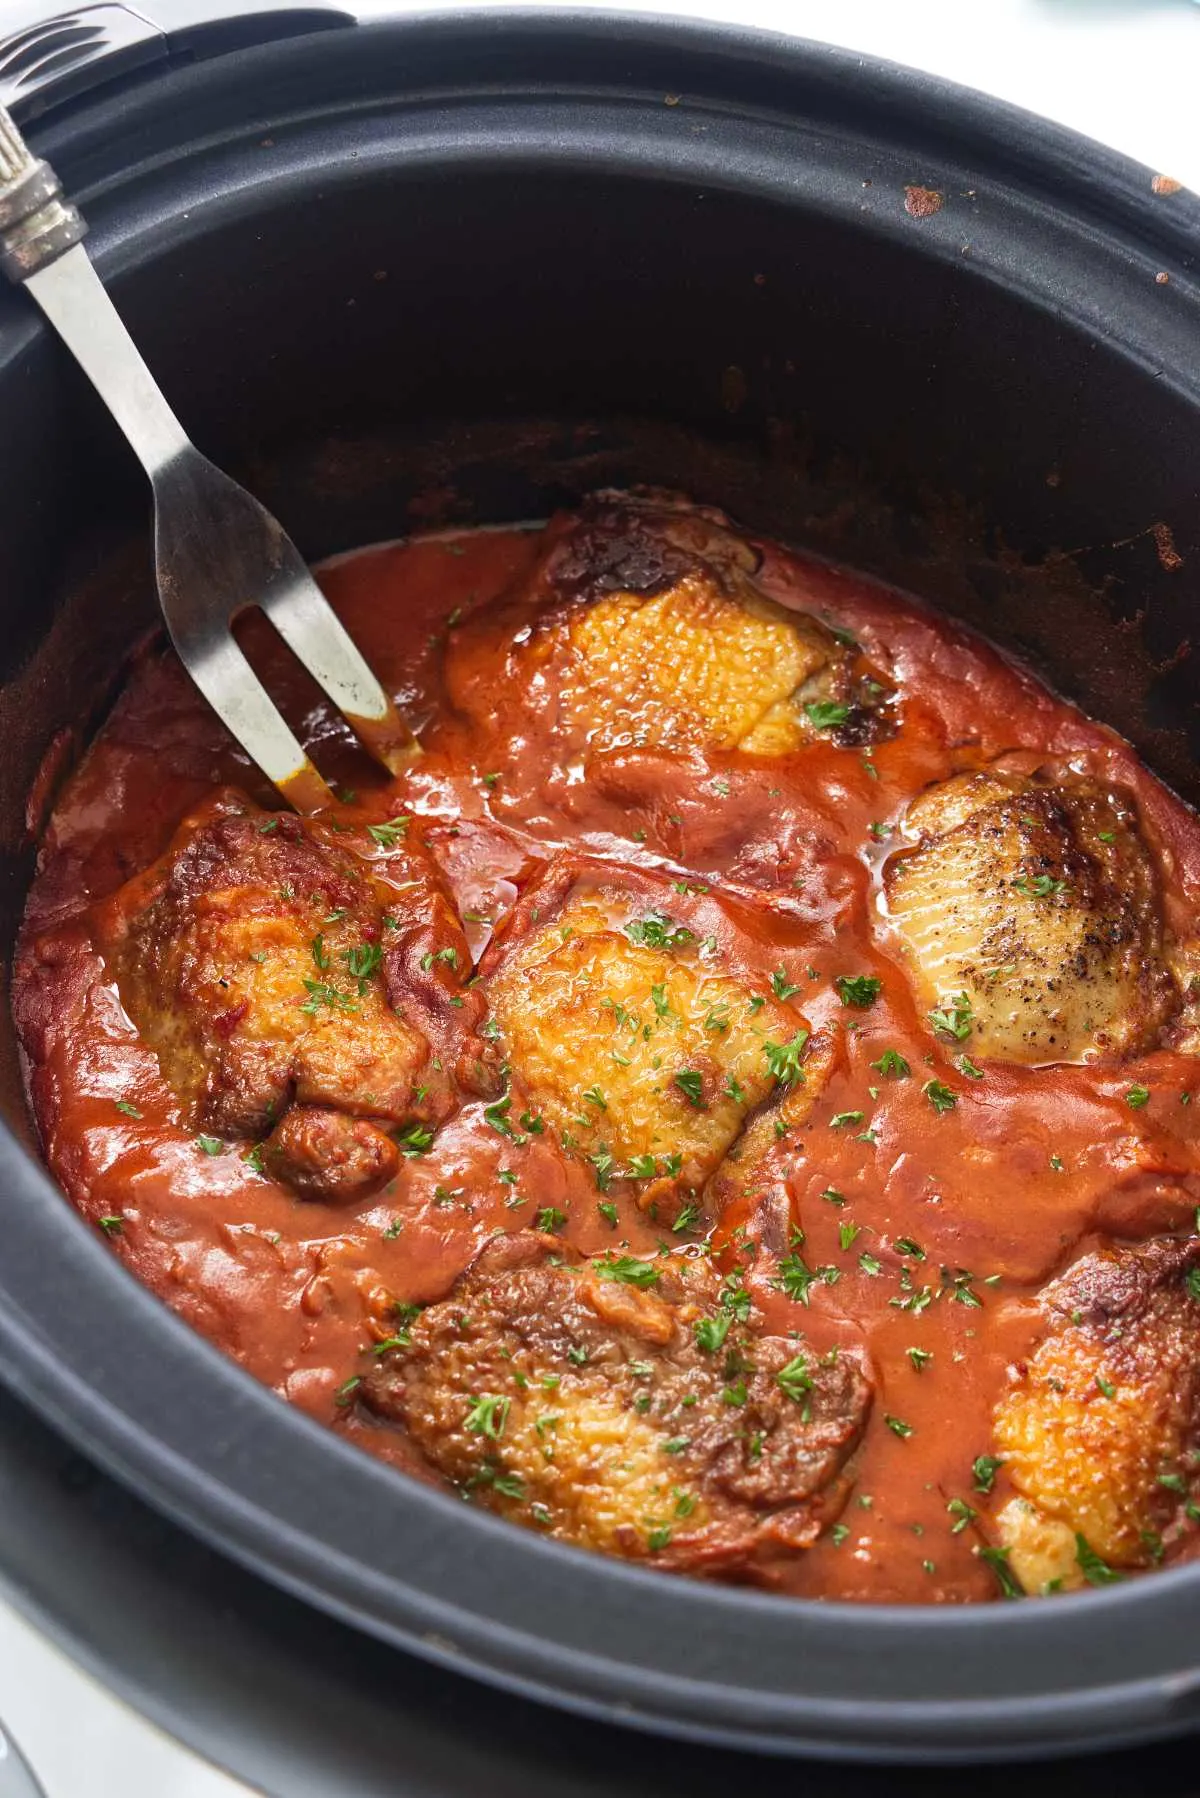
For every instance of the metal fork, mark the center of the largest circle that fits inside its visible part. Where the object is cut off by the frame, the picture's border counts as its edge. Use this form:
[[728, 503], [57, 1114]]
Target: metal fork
[[217, 551]]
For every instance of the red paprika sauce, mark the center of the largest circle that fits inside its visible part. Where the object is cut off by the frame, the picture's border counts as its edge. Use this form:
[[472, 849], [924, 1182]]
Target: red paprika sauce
[[976, 1204]]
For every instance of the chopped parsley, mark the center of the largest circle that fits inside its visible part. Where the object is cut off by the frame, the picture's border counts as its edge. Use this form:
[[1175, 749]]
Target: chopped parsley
[[210, 1145], [897, 1426], [628, 1271], [388, 835], [826, 714], [710, 1332], [984, 1469], [997, 1560], [783, 1059], [919, 1357], [130, 1111], [549, 1218], [1095, 1570], [734, 1298], [496, 1115], [892, 1064], [1038, 886], [691, 1085], [962, 1513], [1137, 1096], [602, 1166], [112, 1223], [415, 1140], [781, 986], [953, 1018], [797, 1279], [794, 1380], [488, 1416], [940, 1096], [321, 993], [859, 990], [657, 931], [361, 962]]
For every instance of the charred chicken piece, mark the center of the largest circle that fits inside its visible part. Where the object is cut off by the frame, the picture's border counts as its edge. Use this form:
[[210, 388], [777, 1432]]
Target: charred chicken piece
[[1029, 909], [627, 1030], [1100, 1430], [621, 1405], [325, 1154], [266, 960], [650, 632]]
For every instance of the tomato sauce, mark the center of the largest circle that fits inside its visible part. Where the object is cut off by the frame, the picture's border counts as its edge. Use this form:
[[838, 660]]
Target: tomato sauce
[[942, 1224]]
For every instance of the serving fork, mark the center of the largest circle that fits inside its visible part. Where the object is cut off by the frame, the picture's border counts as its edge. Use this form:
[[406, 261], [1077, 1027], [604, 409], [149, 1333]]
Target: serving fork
[[217, 551]]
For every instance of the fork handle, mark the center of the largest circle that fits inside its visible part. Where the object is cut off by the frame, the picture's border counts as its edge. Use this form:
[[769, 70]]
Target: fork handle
[[40, 247], [75, 300]]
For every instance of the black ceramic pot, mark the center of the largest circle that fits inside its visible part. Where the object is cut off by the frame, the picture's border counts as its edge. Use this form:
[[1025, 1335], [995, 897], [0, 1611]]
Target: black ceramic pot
[[466, 267]]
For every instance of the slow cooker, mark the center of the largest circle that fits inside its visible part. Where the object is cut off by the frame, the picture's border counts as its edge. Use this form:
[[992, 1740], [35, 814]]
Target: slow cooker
[[462, 268]]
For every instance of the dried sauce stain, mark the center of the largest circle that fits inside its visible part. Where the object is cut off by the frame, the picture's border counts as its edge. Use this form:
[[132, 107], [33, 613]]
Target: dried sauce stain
[[923, 202], [1164, 543], [1164, 185], [792, 1164]]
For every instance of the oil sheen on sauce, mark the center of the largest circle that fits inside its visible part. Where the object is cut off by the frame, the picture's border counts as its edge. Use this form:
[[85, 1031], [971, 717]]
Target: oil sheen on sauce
[[976, 1205]]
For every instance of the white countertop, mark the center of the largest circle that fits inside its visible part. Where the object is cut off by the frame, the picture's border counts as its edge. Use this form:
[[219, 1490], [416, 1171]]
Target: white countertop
[[1125, 72]]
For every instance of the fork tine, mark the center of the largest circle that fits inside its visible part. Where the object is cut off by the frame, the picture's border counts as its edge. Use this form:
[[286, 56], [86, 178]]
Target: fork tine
[[232, 688], [313, 632]]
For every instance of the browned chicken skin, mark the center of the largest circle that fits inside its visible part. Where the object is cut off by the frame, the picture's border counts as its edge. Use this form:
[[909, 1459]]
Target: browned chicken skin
[[626, 1405], [1101, 1429], [1030, 908], [619, 1008], [647, 630], [258, 957]]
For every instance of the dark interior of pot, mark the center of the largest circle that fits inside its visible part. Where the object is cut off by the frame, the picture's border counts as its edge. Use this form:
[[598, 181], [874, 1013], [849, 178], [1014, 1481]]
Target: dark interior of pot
[[385, 314]]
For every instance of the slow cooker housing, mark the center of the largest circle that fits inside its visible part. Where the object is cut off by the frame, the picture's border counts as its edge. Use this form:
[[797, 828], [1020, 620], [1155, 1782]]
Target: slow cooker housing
[[464, 268]]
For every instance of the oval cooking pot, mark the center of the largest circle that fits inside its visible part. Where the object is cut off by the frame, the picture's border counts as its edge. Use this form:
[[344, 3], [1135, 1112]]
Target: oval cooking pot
[[466, 267]]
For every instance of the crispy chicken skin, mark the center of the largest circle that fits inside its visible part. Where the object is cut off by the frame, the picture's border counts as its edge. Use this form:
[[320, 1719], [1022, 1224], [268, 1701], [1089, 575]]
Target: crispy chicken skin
[[1099, 1430], [1031, 908], [626, 1406], [264, 959], [627, 1028], [649, 630]]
